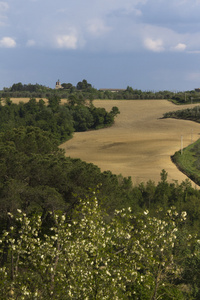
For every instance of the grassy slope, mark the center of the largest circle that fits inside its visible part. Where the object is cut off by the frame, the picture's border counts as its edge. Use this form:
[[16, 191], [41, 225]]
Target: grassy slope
[[189, 161]]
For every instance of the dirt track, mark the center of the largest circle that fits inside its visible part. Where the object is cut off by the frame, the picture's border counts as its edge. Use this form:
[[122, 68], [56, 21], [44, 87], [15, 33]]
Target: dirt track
[[139, 144]]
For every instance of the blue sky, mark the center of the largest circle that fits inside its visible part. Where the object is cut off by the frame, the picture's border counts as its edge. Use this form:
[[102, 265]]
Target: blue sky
[[146, 44]]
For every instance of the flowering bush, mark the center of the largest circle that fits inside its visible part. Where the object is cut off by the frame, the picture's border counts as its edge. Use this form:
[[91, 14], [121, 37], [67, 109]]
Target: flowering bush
[[89, 257]]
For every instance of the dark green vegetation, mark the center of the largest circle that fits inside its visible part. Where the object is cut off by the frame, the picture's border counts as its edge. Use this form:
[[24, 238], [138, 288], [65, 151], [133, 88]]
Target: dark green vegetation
[[84, 90], [192, 114], [36, 176], [60, 120]]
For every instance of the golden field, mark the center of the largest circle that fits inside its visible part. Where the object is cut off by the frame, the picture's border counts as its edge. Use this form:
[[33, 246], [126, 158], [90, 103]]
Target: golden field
[[139, 144]]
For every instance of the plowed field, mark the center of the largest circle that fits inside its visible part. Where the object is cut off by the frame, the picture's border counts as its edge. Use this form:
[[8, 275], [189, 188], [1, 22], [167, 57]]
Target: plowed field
[[139, 144]]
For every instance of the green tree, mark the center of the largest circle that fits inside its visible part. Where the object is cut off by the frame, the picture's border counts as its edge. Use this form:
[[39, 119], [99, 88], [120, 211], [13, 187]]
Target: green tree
[[54, 102], [83, 119], [83, 85], [67, 86]]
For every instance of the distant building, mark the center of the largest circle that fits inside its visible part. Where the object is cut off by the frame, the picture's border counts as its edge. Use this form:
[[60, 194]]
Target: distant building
[[58, 85], [197, 90]]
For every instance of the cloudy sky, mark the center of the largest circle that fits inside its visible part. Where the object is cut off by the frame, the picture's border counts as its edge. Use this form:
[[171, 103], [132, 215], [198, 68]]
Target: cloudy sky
[[145, 44]]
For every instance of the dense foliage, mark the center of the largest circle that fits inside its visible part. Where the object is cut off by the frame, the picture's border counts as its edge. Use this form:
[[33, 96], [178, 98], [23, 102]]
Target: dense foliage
[[37, 176], [86, 257], [60, 120]]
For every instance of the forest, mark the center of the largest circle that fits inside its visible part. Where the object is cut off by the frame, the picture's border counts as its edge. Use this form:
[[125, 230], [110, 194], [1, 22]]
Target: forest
[[70, 231]]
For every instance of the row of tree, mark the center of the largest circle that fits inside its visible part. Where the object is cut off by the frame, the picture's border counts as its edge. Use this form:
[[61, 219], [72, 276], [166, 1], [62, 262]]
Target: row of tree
[[192, 114], [87, 91]]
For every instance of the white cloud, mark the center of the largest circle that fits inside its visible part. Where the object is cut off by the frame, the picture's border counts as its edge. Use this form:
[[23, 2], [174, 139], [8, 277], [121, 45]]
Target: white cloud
[[154, 45], [108, 25], [158, 38], [67, 41], [179, 47], [7, 42]]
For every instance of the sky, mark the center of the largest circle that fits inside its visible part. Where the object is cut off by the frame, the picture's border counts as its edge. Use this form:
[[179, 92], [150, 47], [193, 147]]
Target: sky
[[146, 44]]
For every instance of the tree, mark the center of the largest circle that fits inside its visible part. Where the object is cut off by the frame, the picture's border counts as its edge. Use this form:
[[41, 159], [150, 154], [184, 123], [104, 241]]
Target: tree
[[17, 87], [86, 257], [67, 86], [83, 85], [83, 119], [54, 102], [72, 99]]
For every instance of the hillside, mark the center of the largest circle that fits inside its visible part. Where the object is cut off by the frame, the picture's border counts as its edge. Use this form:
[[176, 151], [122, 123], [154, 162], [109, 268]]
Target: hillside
[[140, 142]]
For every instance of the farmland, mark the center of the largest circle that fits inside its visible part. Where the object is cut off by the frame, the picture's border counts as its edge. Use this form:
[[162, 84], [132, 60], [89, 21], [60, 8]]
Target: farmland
[[140, 142]]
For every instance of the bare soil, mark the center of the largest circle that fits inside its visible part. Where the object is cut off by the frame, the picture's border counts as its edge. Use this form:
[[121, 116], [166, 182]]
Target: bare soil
[[140, 142]]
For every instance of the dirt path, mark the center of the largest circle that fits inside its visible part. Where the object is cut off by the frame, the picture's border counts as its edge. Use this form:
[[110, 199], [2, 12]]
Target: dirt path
[[139, 144]]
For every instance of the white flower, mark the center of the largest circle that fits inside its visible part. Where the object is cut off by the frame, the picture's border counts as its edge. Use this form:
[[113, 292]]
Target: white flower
[[108, 273]]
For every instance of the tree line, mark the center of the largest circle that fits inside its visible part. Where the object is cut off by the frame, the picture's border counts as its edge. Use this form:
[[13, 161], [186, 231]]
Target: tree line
[[85, 90], [192, 114]]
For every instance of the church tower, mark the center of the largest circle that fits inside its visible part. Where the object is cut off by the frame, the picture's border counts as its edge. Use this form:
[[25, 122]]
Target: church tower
[[58, 85]]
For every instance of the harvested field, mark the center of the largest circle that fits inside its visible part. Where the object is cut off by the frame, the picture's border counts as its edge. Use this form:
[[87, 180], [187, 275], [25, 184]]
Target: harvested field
[[139, 144], [25, 100]]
